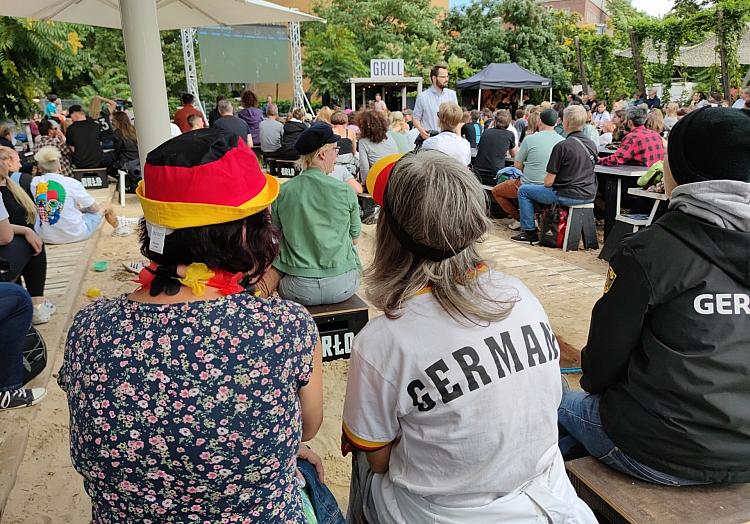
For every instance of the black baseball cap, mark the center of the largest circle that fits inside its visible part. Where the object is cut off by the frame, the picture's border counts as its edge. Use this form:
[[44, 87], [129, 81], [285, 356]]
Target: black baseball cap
[[315, 137]]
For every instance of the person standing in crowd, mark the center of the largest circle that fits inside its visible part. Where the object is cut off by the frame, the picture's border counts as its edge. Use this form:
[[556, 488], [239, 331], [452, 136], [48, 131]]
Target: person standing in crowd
[[26, 253], [667, 405], [424, 376], [374, 142], [744, 97], [83, 139], [640, 147], [425, 114], [472, 131], [653, 101], [251, 115], [293, 127], [379, 104], [102, 115], [126, 149], [497, 142], [532, 159], [520, 124], [187, 109], [449, 141], [271, 132], [51, 136], [247, 375], [601, 115], [319, 220], [214, 115], [398, 131], [51, 110], [269, 103], [196, 122], [570, 178], [231, 124]]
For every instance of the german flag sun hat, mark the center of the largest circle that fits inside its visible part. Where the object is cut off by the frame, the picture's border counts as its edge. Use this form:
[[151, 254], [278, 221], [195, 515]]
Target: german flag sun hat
[[201, 178]]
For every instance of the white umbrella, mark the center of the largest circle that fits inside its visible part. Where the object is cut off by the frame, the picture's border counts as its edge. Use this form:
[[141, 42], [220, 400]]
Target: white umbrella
[[141, 21]]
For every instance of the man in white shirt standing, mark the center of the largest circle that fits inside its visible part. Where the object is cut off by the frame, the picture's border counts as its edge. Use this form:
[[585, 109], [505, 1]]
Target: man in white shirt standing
[[744, 96], [425, 114], [379, 105]]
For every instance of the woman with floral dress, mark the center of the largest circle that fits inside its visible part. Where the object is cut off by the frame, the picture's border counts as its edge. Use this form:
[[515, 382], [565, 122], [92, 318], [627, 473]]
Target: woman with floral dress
[[190, 397]]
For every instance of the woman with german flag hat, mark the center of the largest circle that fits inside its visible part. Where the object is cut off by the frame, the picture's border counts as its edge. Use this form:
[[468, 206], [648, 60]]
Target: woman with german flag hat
[[189, 398], [452, 394]]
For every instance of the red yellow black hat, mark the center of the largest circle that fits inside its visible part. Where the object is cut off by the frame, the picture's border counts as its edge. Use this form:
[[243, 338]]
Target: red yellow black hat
[[203, 177], [377, 177]]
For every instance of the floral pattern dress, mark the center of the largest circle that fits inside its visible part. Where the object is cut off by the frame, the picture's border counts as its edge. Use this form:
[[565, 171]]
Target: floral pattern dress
[[188, 412]]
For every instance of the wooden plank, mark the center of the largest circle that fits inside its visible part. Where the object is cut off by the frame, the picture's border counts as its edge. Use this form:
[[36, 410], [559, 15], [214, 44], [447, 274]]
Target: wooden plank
[[351, 305], [624, 499]]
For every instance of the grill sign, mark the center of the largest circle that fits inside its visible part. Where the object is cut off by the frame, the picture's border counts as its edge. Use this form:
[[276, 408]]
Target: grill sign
[[386, 67]]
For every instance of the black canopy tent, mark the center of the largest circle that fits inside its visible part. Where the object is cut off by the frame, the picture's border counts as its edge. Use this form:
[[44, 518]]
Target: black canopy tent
[[495, 76]]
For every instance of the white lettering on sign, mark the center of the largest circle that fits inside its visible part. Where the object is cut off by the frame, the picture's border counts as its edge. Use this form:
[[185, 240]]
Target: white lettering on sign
[[336, 345], [722, 304], [91, 181], [386, 67]]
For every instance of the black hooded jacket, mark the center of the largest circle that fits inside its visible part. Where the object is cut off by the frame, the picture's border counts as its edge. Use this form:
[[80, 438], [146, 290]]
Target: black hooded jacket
[[669, 350]]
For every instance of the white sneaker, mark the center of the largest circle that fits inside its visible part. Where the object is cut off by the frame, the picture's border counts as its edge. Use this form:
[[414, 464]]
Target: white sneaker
[[122, 231], [21, 398], [134, 267], [43, 312], [128, 221], [514, 226]]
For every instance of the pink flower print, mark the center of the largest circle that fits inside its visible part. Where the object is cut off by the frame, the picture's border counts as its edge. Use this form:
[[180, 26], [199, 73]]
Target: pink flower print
[[188, 419], [223, 393], [203, 375]]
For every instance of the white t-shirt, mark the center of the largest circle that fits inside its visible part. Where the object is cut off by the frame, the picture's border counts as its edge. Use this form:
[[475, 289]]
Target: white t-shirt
[[3, 211], [471, 411], [451, 144], [59, 200]]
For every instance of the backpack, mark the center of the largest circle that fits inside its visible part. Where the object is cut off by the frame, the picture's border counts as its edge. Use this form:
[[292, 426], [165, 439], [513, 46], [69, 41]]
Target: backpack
[[552, 226], [34, 354]]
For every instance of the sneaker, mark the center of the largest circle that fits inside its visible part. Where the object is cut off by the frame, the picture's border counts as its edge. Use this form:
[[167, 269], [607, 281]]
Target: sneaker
[[21, 398], [122, 231], [134, 267], [527, 236], [43, 312], [128, 221], [514, 226]]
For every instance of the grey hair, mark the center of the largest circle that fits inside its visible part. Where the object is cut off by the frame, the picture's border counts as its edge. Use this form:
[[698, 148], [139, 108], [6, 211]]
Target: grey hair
[[637, 115], [48, 159], [439, 203], [224, 106], [576, 117]]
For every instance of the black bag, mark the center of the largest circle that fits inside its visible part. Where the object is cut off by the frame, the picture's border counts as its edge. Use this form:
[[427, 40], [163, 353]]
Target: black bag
[[34, 355], [552, 224]]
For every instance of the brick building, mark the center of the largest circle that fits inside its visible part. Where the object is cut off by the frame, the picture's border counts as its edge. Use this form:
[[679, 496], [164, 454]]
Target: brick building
[[591, 11]]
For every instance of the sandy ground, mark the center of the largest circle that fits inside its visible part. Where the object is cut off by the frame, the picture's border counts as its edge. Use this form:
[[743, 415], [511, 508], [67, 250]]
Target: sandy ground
[[48, 490]]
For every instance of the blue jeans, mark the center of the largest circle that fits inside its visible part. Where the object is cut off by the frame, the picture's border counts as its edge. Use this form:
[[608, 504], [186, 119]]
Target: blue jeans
[[324, 503], [579, 422], [310, 291], [15, 319], [530, 193]]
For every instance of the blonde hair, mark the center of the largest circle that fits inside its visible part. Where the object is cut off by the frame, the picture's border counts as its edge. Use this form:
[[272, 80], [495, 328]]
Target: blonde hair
[[439, 203], [324, 115], [533, 119], [671, 109], [655, 121], [21, 196], [48, 159], [398, 123], [450, 115], [575, 116], [95, 107], [308, 160]]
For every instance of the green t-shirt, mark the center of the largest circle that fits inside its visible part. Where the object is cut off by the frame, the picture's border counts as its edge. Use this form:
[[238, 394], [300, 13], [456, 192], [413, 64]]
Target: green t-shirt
[[318, 217], [534, 153]]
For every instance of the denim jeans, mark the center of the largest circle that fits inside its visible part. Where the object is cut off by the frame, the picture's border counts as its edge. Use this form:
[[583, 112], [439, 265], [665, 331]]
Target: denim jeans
[[15, 318], [315, 291], [579, 422], [326, 508], [530, 193], [361, 506]]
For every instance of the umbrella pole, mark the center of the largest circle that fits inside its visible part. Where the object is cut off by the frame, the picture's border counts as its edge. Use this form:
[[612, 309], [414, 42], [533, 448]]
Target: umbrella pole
[[479, 100], [146, 73]]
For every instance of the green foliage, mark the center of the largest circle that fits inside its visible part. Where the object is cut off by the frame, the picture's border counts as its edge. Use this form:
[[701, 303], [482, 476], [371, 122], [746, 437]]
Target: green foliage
[[110, 83], [31, 54], [330, 58]]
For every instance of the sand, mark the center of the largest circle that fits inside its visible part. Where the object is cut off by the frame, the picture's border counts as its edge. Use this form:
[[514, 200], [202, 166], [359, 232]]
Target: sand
[[48, 490]]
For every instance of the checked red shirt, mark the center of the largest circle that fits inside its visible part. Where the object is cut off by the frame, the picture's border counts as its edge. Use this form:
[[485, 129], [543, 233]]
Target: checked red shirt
[[640, 147]]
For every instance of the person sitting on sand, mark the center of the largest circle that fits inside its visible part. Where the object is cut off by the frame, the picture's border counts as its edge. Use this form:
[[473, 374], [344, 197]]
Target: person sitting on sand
[[319, 220], [665, 367], [452, 395], [67, 212], [190, 398]]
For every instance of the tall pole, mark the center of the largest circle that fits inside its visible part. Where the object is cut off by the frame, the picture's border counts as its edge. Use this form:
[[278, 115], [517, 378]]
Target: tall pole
[[723, 53], [636, 51], [479, 100], [581, 68], [191, 74], [140, 30]]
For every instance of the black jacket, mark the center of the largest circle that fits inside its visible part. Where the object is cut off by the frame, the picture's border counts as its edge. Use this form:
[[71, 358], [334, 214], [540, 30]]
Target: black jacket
[[669, 350]]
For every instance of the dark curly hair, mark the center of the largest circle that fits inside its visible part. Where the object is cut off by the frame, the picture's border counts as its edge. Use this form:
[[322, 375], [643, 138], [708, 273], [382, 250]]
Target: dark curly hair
[[249, 99], [249, 245], [373, 125]]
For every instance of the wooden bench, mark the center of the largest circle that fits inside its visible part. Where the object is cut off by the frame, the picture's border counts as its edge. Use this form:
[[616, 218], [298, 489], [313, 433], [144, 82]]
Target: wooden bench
[[92, 178], [338, 324], [282, 168], [622, 499]]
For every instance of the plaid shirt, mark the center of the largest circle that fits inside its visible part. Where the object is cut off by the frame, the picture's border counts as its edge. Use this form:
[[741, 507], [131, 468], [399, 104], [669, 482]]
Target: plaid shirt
[[640, 147], [65, 153]]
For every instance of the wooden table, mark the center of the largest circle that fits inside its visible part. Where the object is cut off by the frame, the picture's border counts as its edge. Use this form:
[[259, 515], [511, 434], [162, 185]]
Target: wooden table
[[613, 177], [605, 151]]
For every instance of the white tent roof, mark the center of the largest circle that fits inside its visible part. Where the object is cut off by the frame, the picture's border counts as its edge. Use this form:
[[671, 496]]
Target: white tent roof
[[172, 14]]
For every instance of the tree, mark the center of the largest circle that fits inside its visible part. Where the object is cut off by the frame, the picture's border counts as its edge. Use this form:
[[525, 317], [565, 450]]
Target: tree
[[32, 53], [330, 58]]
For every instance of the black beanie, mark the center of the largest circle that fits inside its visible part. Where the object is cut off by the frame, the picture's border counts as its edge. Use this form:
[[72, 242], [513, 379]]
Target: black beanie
[[712, 143]]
